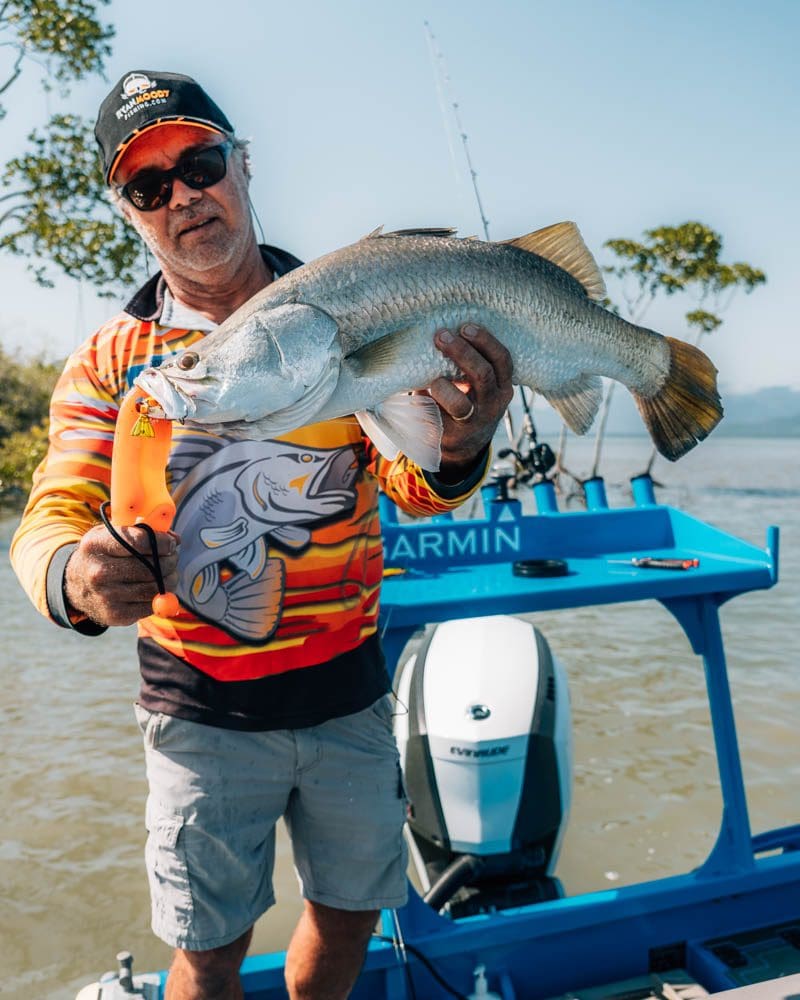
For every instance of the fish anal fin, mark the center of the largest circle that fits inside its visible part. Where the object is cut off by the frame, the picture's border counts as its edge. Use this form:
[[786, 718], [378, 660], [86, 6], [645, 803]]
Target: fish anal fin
[[687, 407], [577, 402], [562, 244], [407, 423], [252, 559]]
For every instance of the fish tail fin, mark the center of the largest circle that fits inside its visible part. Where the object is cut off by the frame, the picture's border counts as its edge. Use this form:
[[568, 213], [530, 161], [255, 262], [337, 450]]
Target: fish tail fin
[[687, 407], [254, 607]]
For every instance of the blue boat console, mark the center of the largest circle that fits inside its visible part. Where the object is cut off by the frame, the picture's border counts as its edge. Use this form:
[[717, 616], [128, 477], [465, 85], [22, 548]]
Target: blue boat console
[[511, 562]]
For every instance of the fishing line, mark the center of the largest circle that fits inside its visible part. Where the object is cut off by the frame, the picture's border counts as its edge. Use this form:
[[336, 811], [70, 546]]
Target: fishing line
[[154, 564], [257, 220]]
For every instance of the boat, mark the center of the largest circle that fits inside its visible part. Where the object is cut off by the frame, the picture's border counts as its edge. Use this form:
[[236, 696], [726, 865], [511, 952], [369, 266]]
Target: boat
[[728, 928]]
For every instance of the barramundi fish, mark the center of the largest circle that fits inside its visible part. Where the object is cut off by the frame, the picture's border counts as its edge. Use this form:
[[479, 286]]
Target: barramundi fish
[[352, 333]]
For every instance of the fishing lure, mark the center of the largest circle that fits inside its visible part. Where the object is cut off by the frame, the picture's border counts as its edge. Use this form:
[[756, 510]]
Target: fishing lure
[[139, 494]]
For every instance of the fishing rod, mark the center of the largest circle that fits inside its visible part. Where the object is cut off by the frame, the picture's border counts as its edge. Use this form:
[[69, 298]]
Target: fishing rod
[[443, 89], [538, 458]]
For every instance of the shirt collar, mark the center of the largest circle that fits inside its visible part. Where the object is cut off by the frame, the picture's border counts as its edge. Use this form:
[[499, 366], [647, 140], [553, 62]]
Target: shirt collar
[[148, 304]]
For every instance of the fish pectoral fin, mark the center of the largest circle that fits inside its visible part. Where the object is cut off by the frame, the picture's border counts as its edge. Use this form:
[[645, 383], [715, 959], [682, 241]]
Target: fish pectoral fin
[[291, 536], [562, 244], [252, 559], [385, 355], [224, 534], [577, 402], [411, 424]]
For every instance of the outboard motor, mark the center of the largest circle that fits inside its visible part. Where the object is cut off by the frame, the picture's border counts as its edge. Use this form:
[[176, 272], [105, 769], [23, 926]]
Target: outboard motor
[[487, 760]]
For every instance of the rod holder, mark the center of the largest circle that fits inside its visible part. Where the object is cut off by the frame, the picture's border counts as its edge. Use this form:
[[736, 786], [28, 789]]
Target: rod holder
[[643, 491]]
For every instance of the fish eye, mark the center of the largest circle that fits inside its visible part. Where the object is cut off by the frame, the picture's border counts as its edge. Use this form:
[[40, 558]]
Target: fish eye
[[306, 458], [188, 360]]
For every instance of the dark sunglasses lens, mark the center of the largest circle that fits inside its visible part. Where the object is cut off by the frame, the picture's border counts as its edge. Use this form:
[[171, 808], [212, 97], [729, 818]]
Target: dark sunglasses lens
[[150, 191], [203, 169]]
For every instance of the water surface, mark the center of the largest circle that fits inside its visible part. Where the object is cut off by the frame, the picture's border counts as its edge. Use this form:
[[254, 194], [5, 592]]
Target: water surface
[[646, 793]]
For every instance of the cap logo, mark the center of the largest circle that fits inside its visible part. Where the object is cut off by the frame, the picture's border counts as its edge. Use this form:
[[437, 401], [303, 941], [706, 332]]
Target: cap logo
[[135, 83], [140, 93]]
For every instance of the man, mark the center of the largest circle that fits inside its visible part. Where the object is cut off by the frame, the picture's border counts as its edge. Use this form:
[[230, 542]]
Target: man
[[267, 695]]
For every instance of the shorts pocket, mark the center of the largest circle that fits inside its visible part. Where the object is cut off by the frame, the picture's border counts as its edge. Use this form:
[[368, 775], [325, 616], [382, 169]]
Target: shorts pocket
[[167, 870], [383, 709]]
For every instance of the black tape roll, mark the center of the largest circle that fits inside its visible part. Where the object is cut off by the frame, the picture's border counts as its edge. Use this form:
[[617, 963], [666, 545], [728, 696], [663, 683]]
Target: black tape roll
[[540, 567]]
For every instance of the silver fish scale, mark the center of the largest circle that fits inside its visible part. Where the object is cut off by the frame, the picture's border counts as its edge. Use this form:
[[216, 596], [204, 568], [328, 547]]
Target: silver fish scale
[[383, 284]]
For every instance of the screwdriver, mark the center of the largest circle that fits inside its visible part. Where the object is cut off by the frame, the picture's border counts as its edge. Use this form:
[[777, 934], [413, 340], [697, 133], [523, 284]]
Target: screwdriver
[[657, 562]]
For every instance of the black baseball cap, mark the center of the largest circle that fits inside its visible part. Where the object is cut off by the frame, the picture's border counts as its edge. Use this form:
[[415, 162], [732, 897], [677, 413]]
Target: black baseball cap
[[144, 99]]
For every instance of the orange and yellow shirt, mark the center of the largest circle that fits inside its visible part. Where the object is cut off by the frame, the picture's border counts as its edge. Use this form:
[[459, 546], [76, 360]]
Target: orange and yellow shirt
[[280, 558]]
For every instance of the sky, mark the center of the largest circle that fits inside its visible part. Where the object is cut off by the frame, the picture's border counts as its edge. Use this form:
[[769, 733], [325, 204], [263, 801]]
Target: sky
[[621, 115]]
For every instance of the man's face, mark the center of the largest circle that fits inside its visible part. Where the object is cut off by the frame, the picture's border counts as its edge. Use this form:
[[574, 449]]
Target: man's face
[[195, 230]]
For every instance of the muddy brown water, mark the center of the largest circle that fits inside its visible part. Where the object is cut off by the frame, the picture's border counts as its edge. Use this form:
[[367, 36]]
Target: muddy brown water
[[646, 799]]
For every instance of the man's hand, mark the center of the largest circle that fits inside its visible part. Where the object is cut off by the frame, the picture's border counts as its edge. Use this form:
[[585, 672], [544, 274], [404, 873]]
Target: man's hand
[[111, 586], [471, 414]]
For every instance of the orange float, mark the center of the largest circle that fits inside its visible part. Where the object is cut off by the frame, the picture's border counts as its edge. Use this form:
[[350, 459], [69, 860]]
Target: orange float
[[139, 493]]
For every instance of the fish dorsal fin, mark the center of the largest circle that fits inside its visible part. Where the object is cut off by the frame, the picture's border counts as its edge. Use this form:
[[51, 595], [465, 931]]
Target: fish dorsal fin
[[420, 232], [562, 244], [374, 234]]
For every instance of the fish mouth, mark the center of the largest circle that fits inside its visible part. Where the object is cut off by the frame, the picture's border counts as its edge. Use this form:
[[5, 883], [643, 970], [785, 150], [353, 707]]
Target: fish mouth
[[173, 400], [334, 481]]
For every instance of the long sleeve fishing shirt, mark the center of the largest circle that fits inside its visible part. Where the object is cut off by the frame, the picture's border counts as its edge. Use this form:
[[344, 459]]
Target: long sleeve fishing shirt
[[280, 559]]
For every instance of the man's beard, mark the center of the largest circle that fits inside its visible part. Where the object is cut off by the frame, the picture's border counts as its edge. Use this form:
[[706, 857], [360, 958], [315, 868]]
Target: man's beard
[[220, 245]]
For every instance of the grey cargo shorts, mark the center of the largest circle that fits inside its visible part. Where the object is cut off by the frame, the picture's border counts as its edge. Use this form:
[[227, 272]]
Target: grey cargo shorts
[[216, 795]]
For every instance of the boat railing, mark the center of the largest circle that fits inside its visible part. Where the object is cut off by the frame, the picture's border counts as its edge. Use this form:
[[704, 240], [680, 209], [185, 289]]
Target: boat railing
[[512, 562]]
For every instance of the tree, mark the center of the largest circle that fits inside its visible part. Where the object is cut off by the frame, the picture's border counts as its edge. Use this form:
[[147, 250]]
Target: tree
[[25, 389], [54, 205], [672, 260]]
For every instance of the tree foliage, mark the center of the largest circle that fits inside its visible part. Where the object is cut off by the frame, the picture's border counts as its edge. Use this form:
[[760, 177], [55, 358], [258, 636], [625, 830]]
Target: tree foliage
[[53, 203], [58, 210], [64, 34], [25, 389], [684, 258], [671, 260]]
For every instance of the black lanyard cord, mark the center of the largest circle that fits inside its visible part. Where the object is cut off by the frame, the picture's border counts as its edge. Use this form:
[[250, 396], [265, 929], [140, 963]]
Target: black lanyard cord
[[154, 565]]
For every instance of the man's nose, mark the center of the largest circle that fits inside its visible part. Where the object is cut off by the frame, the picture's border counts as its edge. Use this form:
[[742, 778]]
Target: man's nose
[[182, 194]]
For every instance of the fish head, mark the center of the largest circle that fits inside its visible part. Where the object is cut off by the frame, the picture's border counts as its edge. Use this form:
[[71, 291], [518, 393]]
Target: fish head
[[255, 364], [296, 484]]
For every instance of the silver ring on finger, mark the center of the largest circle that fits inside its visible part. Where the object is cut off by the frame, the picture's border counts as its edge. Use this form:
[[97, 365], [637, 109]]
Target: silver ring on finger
[[467, 416]]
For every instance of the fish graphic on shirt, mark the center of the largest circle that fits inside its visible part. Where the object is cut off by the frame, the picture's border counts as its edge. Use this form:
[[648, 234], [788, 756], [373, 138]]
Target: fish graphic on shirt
[[237, 503]]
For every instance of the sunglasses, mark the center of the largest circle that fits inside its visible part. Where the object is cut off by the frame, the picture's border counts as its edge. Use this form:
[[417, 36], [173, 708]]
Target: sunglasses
[[151, 189]]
